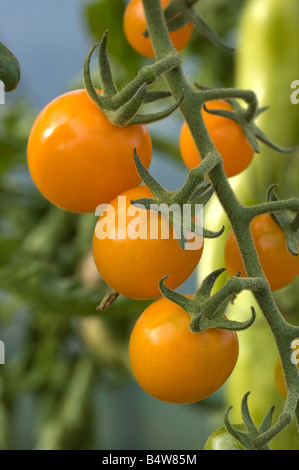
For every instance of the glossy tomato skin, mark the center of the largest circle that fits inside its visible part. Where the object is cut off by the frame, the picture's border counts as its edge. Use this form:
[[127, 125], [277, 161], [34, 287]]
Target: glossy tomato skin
[[279, 266], [78, 159], [227, 136], [174, 365], [133, 265], [135, 25], [222, 440], [279, 379]]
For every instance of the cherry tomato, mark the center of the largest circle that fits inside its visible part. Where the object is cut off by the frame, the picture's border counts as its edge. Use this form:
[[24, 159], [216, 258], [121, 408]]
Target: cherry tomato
[[279, 379], [135, 25], [279, 266], [132, 256], [227, 136], [223, 440], [78, 159], [175, 365]]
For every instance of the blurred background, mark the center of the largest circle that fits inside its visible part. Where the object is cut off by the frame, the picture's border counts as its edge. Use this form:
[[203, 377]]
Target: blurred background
[[66, 383]]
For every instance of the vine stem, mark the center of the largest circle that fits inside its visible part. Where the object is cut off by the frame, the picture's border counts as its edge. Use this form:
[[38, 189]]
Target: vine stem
[[236, 212]]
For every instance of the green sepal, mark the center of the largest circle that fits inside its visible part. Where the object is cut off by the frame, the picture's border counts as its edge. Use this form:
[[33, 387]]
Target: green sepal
[[203, 322], [10, 71], [211, 234], [206, 310], [240, 118], [267, 421], [154, 117], [156, 95], [107, 84], [286, 222], [88, 83], [248, 438], [206, 30], [267, 141], [121, 108], [179, 299], [175, 201], [177, 23], [240, 436], [250, 427], [205, 289], [157, 190], [126, 113]]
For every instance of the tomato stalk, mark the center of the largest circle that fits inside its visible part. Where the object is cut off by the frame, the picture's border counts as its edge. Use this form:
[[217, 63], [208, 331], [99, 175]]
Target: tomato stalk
[[121, 108], [207, 311], [237, 214]]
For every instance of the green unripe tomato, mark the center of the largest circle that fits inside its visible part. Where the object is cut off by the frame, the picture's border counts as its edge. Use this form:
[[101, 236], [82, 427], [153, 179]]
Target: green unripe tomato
[[222, 440]]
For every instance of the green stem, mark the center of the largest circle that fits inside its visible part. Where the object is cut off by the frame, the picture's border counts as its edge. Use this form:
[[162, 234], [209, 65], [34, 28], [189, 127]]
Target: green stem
[[233, 286], [275, 206], [147, 75], [232, 93], [237, 214], [196, 176]]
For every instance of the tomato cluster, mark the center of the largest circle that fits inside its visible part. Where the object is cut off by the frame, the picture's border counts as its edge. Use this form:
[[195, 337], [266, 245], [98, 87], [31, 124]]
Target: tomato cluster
[[80, 161]]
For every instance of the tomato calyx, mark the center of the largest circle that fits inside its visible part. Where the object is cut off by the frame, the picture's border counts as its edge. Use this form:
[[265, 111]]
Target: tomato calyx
[[208, 311], [121, 107], [10, 72], [181, 12], [288, 223], [251, 438], [246, 120], [182, 208]]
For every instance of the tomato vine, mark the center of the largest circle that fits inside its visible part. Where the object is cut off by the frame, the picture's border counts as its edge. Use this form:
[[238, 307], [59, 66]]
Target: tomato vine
[[209, 175]]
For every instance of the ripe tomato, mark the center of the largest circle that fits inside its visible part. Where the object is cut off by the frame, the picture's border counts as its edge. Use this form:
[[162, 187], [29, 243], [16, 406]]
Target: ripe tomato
[[227, 136], [175, 365], [279, 266], [135, 25], [78, 159], [132, 256], [279, 379], [223, 440]]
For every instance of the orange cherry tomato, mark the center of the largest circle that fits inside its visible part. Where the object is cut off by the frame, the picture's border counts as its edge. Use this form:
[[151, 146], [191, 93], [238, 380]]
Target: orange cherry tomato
[[175, 365], [78, 159], [279, 266], [132, 256], [227, 136], [135, 25], [280, 380]]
